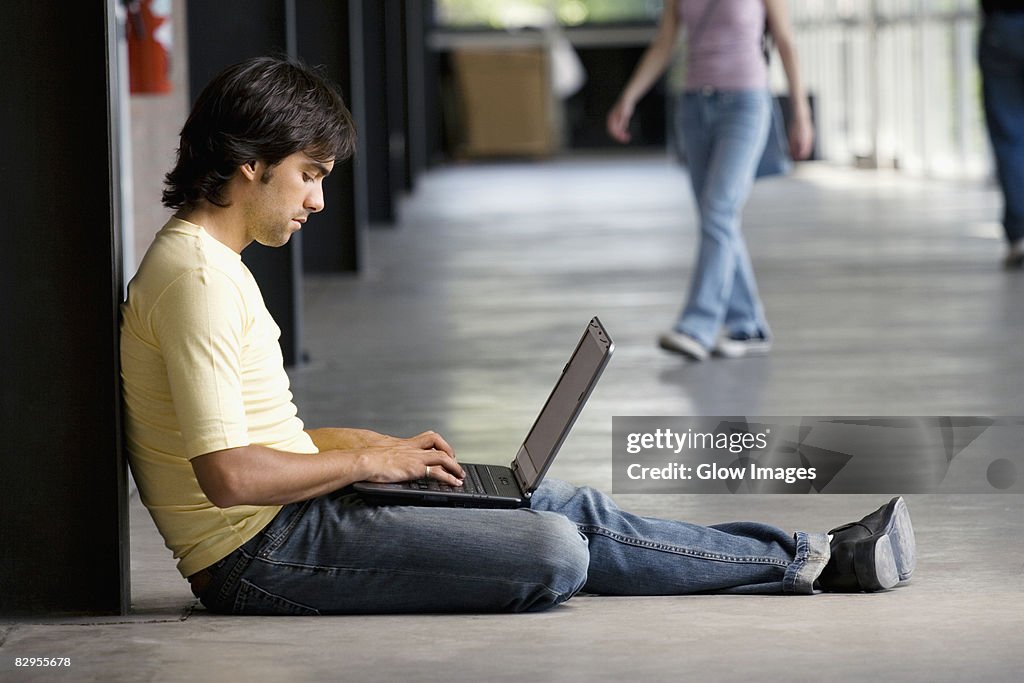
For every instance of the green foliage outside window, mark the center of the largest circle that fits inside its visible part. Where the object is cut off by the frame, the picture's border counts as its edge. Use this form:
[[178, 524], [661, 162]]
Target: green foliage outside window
[[512, 13]]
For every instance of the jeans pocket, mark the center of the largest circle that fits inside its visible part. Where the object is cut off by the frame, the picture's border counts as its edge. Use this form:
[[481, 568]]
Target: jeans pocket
[[252, 599]]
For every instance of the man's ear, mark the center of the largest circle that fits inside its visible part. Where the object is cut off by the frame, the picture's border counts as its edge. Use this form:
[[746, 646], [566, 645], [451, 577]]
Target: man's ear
[[248, 169]]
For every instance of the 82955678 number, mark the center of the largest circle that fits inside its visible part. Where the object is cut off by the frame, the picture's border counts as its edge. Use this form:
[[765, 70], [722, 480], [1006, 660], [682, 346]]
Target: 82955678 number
[[42, 661]]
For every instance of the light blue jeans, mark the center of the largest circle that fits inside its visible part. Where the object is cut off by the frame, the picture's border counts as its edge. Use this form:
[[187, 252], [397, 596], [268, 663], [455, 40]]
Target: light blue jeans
[[724, 133], [335, 555], [1001, 58]]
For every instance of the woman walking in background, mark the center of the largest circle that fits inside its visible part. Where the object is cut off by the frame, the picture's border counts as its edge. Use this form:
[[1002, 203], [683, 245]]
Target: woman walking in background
[[723, 117], [1001, 58]]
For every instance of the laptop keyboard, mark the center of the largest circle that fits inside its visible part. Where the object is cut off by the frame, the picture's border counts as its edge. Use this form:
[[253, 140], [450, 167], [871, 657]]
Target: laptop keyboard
[[471, 484]]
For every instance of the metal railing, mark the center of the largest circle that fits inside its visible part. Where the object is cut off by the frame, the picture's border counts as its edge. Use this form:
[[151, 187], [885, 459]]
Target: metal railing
[[896, 82]]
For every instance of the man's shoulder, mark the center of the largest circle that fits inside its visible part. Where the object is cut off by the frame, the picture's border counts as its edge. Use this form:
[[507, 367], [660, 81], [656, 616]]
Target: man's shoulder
[[181, 248], [182, 264]]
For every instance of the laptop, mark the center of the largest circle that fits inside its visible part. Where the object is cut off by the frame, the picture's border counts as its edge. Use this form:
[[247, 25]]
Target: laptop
[[497, 486]]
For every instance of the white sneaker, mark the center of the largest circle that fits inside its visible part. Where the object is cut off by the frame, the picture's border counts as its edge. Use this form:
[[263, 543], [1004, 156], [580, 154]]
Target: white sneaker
[[684, 344], [742, 345]]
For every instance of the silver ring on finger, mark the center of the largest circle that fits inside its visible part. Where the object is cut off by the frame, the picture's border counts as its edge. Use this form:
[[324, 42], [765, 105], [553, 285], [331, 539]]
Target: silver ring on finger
[[428, 472]]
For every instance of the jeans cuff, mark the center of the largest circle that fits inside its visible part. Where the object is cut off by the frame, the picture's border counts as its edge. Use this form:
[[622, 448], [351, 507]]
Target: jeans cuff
[[812, 553]]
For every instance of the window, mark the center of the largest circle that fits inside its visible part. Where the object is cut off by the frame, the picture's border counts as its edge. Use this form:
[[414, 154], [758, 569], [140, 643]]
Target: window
[[895, 82], [514, 13]]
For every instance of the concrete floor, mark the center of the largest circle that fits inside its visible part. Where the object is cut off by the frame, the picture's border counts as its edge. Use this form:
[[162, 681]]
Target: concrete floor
[[886, 298]]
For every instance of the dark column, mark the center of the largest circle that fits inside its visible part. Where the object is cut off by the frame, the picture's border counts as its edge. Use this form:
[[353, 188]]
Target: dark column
[[387, 98], [376, 106], [397, 97], [431, 91], [329, 34], [418, 61], [63, 491]]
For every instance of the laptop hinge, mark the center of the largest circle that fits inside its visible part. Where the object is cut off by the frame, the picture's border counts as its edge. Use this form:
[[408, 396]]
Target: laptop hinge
[[517, 471]]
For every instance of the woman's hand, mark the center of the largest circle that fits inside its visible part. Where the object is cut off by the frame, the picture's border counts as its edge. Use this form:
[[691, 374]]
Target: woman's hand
[[618, 121], [801, 136]]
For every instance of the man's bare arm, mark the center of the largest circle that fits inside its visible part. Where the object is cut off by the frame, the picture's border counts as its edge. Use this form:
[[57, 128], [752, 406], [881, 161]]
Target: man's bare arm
[[257, 475], [344, 438]]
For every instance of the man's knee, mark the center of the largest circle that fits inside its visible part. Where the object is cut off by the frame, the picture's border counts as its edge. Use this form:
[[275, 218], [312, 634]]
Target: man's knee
[[559, 558]]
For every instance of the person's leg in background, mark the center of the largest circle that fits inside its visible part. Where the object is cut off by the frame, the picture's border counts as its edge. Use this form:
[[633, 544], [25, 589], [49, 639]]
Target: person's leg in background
[[1001, 59], [724, 135]]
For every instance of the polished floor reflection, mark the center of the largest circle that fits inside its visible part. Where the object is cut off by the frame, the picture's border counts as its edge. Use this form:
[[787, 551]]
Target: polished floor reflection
[[885, 295]]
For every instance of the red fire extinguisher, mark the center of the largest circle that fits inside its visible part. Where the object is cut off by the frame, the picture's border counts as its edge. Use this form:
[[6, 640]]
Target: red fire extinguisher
[[149, 45]]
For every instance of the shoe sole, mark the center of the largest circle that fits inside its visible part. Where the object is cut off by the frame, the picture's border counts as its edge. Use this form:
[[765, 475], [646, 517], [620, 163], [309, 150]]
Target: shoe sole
[[726, 350], [689, 348], [901, 535], [883, 560], [875, 564]]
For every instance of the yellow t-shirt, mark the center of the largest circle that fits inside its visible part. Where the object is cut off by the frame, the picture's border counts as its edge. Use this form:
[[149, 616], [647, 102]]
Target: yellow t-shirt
[[201, 371]]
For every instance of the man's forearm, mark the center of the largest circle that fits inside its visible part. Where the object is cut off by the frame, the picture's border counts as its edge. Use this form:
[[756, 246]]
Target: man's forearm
[[257, 475], [343, 438]]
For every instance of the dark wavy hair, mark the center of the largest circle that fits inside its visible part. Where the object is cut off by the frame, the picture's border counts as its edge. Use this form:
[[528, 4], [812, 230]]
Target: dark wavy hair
[[262, 109]]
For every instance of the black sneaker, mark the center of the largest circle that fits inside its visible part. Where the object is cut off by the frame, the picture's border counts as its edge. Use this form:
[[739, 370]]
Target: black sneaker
[[873, 554]]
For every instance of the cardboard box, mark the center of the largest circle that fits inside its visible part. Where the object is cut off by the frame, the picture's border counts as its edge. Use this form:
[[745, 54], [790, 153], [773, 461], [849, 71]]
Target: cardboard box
[[506, 103]]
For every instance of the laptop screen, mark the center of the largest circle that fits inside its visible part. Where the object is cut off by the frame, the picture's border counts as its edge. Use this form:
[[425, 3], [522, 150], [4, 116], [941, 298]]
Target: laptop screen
[[565, 403]]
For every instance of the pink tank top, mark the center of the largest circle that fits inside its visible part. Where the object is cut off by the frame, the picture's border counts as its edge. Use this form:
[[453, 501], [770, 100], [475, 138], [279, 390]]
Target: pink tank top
[[726, 54]]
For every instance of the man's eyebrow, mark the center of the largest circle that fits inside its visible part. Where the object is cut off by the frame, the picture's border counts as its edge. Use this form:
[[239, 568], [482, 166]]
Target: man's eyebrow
[[318, 167]]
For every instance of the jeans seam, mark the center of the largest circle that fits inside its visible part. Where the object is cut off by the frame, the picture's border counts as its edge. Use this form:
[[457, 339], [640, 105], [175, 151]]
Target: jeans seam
[[275, 540], [680, 550], [403, 572], [243, 562], [243, 598]]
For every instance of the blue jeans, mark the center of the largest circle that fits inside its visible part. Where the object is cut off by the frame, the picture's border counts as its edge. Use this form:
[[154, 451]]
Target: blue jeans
[[724, 133], [1001, 58], [335, 555]]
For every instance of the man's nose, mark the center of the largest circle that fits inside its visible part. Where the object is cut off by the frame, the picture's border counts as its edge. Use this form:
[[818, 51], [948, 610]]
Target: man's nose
[[315, 200]]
